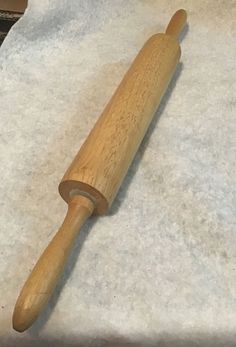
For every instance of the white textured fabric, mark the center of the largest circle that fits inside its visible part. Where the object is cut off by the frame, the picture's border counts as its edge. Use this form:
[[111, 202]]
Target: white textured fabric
[[160, 270]]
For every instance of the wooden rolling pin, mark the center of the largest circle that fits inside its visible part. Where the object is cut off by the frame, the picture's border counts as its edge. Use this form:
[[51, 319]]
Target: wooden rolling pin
[[94, 177]]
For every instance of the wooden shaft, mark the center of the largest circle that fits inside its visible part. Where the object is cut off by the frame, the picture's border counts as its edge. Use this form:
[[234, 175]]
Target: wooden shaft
[[95, 175], [44, 277]]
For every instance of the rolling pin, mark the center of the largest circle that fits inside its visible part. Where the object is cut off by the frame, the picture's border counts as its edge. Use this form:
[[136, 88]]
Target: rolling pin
[[91, 182]]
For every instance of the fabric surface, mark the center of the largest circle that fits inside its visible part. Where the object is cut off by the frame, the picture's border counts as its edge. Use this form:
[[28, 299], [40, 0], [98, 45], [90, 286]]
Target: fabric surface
[[160, 269]]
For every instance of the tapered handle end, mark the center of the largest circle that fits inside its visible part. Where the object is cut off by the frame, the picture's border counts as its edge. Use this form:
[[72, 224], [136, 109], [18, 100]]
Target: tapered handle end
[[177, 23], [41, 282], [22, 319]]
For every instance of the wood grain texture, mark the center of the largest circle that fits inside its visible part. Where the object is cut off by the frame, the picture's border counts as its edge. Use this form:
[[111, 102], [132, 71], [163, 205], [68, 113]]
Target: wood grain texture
[[44, 277], [103, 160]]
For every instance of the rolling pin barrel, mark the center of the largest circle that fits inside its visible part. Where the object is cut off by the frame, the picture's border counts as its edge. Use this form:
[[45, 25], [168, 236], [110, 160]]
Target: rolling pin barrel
[[101, 164]]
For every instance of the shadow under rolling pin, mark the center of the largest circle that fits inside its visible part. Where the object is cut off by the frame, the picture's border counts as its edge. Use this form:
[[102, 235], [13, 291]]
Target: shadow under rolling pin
[[94, 177]]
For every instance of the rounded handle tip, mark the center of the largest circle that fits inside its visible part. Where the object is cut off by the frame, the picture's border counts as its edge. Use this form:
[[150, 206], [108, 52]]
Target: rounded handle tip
[[21, 319], [177, 23]]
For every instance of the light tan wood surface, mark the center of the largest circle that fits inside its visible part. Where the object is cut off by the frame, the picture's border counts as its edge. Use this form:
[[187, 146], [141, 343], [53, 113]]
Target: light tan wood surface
[[112, 144], [13, 5], [96, 173], [177, 23], [44, 277]]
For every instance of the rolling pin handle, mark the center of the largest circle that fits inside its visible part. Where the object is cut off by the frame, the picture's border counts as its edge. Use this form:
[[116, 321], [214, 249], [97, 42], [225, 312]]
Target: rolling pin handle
[[44, 277], [177, 23]]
